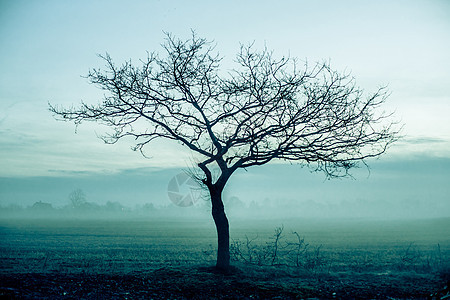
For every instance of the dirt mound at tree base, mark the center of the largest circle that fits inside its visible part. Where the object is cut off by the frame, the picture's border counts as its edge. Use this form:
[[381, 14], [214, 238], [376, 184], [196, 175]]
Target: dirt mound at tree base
[[202, 283]]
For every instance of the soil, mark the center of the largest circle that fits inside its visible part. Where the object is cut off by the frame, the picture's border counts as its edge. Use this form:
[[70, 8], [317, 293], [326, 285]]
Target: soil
[[205, 283]]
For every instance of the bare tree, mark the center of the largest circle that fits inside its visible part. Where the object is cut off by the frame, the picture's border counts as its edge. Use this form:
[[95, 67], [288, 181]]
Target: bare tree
[[77, 198], [263, 110]]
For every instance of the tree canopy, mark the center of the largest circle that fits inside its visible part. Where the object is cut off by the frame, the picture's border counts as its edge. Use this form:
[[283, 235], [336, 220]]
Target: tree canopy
[[265, 109]]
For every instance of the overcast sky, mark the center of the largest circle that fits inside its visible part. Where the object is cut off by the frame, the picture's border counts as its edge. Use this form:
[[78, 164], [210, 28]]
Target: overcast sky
[[47, 46]]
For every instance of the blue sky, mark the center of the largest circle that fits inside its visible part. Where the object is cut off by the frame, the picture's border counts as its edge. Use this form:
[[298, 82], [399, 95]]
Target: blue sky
[[46, 47]]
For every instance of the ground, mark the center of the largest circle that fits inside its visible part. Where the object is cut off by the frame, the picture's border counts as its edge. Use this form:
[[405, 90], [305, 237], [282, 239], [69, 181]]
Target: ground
[[202, 283], [172, 260]]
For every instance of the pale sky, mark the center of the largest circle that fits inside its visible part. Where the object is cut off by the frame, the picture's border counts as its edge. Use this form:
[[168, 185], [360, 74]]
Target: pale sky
[[46, 46]]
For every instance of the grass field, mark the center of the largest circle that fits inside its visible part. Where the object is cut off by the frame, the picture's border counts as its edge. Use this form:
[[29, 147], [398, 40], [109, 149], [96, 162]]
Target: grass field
[[169, 258]]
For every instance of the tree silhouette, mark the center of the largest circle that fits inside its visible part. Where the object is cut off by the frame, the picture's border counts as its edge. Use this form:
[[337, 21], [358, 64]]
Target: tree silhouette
[[77, 198], [263, 110]]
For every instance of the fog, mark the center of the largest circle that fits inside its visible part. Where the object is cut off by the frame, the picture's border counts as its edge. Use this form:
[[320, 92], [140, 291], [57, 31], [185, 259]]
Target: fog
[[390, 189]]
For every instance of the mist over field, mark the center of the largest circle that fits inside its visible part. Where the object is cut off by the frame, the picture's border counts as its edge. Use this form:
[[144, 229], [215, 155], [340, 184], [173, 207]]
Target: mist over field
[[384, 232], [414, 189]]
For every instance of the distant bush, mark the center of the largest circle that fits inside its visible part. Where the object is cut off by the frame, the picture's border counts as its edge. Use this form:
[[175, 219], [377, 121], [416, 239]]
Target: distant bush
[[42, 207]]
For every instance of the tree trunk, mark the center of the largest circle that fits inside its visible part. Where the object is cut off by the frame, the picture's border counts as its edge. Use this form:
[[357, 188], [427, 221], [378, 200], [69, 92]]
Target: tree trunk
[[223, 232]]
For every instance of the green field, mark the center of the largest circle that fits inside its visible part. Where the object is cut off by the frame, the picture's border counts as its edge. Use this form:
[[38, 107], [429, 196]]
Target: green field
[[352, 257]]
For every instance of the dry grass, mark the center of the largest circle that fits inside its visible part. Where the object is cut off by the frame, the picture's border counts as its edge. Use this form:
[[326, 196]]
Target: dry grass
[[175, 257]]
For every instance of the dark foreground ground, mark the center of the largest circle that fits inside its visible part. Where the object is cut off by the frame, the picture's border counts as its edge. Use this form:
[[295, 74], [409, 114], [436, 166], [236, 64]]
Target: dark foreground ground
[[203, 283], [154, 260]]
